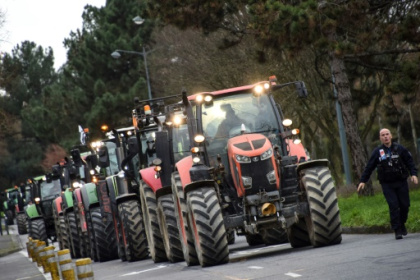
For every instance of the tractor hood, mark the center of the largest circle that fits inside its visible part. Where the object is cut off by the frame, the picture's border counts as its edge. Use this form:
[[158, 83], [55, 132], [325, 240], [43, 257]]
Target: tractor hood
[[252, 164]]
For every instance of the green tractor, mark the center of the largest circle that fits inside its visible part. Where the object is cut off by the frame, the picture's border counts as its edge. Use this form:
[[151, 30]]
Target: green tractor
[[46, 188], [12, 204]]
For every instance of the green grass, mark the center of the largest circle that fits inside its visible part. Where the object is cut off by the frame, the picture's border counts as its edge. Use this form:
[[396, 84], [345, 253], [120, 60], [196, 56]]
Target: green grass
[[370, 211]]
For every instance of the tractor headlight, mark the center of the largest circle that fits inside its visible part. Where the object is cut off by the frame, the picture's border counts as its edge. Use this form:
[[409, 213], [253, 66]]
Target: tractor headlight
[[267, 154], [242, 159], [199, 138], [271, 177], [247, 181], [196, 159], [37, 200], [121, 174]]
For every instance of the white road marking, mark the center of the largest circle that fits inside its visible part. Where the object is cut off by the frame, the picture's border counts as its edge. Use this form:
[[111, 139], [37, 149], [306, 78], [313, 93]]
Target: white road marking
[[256, 267], [146, 270], [294, 275]]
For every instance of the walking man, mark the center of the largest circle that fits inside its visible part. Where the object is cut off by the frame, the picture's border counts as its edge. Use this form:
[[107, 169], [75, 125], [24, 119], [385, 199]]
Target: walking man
[[393, 163]]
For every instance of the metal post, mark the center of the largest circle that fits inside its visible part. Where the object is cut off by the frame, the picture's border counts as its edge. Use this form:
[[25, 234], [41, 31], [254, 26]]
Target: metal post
[[343, 136], [147, 73]]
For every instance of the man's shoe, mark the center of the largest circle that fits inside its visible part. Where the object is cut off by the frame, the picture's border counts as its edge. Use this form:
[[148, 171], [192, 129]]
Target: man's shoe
[[403, 230], [398, 234]]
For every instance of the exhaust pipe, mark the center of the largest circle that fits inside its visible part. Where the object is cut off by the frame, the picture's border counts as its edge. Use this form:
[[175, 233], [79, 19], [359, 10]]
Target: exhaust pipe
[[268, 209]]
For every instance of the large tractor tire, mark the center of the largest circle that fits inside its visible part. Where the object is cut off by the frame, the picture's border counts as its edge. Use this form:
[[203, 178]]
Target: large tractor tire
[[134, 235], [231, 236], [254, 239], [169, 229], [272, 236], [105, 243], [37, 230], [324, 222], [93, 254], [9, 216], [75, 241], [187, 238], [298, 234], [206, 220], [64, 233], [21, 223], [151, 223]]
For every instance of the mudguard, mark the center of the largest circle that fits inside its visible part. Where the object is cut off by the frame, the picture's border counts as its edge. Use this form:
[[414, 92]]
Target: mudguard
[[57, 203], [183, 166], [68, 196], [32, 211], [297, 150], [89, 195], [148, 176], [312, 163]]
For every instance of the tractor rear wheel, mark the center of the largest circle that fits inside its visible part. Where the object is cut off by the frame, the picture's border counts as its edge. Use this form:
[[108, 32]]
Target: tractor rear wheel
[[231, 236], [74, 235], [298, 234], [93, 254], [21, 223], [254, 239], [133, 232], [206, 220], [272, 236], [9, 216], [37, 230], [323, 222], [151, 223], [105, 238], [169, 229], [64, 233], [187, 239]]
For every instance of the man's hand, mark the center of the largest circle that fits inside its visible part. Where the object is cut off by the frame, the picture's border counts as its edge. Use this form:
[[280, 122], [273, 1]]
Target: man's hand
[[360, 187], [414, 179]]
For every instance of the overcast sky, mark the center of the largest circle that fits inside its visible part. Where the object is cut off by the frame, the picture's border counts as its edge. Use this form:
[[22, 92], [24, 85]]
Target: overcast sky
[[45, 22]]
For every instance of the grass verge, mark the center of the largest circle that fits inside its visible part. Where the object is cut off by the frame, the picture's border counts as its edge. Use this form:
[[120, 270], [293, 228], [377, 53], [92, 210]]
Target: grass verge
[[371, 211]]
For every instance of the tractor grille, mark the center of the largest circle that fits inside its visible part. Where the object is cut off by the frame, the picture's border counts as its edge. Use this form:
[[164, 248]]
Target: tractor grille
[[258, 170]]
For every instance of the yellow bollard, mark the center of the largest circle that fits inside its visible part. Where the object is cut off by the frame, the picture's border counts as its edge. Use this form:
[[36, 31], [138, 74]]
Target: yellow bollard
[[32, 246], [55, 274], [48, 253], [84, 269], [40, 245], [66, 265]]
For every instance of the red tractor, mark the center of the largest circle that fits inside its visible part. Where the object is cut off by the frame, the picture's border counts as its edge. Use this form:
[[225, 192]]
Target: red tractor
[[246, 173]]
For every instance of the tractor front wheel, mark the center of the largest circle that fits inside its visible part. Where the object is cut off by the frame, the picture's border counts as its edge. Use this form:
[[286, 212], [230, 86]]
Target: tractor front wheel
[[133, 232], [151, 223], [323, 222], [206, 220], [169, 229]]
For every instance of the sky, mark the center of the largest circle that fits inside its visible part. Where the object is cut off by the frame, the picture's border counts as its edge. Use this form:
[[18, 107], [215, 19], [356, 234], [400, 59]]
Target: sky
[[45, 22]]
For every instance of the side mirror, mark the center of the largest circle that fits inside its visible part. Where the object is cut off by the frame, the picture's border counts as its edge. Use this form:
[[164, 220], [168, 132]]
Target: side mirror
[[301, 89], [103, 157]]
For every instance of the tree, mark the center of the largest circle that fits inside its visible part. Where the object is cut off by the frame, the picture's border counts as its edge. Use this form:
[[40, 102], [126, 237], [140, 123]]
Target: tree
[[341, 31], [24, 74], [105, 86]]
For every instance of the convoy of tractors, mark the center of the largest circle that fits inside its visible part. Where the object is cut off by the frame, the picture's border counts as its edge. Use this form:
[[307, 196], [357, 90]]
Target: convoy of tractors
[[190, 174]]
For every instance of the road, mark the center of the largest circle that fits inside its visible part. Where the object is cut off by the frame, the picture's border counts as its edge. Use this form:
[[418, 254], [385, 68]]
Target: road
[[373, 256]]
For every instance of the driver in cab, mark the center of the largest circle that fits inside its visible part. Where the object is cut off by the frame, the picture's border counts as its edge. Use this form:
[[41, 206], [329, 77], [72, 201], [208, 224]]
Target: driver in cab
[[231, 121]]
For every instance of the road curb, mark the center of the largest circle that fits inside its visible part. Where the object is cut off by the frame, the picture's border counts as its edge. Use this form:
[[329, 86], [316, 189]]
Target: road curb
[[12, 245]]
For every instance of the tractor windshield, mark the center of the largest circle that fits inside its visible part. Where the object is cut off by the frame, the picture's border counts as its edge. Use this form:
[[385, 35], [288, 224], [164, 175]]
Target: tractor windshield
[[113, 161], [181, 142], [227, 116], [148, 138], [50, 190]]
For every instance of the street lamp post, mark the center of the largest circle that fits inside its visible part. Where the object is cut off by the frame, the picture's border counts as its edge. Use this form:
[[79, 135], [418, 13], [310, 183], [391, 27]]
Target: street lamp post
[[144, 53]]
